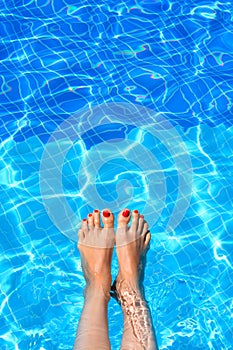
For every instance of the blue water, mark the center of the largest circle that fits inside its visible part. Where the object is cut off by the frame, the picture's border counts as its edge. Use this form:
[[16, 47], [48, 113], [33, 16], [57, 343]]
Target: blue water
[[116, 104]]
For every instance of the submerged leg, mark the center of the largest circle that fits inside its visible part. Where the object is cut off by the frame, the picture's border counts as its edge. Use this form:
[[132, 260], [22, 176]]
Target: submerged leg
[[95, 246], [131, 244]]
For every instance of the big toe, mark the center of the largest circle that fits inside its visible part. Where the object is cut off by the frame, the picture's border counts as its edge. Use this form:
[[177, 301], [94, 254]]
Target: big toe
[[123, 218], [108, 218]]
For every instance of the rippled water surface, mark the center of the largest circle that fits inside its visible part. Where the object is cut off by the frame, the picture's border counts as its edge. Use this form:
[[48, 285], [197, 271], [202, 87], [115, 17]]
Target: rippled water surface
[[117, 104]]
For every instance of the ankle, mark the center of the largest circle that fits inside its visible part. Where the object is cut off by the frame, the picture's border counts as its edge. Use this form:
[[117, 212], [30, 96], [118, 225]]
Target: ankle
[[132, 276], [97, 290], [127, 286]]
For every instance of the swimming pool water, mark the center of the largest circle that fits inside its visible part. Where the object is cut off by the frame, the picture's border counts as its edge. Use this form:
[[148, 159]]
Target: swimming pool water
[[167, 67]]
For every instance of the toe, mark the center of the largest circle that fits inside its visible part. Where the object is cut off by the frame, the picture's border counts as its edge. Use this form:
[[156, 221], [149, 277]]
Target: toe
[[108, 218], [141, 222], [147, 239], [144, 228], [84, 228], [80, 235], [135, 218], [90, 220], [96, 218], [123, 218], [84, 225]]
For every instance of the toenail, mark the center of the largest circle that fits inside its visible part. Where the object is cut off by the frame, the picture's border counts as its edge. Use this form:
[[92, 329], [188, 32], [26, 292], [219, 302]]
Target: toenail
[[90, 215], [84, 219], [96, 210], [142, 216], [106, 213], [135, 211], [126, 213]]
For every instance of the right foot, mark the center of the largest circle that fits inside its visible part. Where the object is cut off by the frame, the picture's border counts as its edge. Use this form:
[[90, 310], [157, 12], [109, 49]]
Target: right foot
[[131, 243]]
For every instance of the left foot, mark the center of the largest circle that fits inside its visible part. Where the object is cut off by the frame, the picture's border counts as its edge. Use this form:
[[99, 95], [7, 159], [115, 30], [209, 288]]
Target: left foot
[[96, 246]]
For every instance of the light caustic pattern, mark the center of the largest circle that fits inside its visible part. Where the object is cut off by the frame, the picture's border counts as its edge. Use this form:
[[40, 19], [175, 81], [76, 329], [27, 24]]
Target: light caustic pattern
[[143, 157]]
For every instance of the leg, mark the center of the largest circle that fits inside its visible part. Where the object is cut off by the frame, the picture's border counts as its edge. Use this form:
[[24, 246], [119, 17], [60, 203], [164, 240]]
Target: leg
[[95, 246], [131, 244]]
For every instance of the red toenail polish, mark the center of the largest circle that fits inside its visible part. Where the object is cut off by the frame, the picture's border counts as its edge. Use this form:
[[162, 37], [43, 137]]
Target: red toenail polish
[[135, 211], [96, 210], [126, 213], [84, 219], [141, 216], [106, 214], [90, 215]]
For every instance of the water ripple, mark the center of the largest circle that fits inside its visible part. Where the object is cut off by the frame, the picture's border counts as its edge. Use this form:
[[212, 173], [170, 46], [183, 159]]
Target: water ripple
[[58, 57]]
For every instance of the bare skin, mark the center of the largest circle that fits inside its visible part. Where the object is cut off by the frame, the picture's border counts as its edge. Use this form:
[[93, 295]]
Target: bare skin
[[96, 247], [131, 244]]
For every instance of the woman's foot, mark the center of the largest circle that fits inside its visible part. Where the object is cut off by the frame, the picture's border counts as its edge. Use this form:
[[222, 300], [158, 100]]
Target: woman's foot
[[96, 246], [131, 244]]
